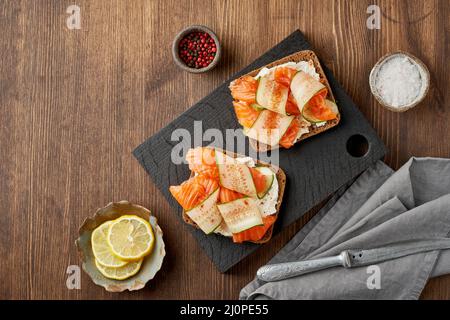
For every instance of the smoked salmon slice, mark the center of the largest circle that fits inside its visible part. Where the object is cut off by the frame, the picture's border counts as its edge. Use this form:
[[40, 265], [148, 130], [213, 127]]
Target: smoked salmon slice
[[323, 93], [318, 107], [202, 161], [255, 233], [189, 193], [288, 139], [227, 195], [284, 75], [244, 89], [210, 184], [259, 180], [291, 106], [193, 191], [245, 113]]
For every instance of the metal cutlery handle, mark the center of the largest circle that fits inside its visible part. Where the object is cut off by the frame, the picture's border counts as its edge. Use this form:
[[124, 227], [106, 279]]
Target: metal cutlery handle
[[277, 272]]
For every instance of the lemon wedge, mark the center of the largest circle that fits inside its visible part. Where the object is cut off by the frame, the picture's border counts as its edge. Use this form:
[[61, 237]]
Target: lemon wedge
[[130, 238], [101, 249], [119, 273]]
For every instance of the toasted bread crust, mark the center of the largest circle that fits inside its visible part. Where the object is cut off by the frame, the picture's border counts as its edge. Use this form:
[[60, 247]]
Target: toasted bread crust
[[304, 55], [281, 178]]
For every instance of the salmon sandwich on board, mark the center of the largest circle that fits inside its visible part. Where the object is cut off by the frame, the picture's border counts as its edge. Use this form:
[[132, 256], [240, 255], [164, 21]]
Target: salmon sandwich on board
[[284, 102], [230, 195]]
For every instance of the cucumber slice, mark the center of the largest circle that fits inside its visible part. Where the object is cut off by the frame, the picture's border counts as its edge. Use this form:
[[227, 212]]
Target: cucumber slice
[[269, 176], [257, 107], [304, 87], [332, 106], [206, 215], [241, 214], [272, 95], [269, 128], [308, 115], [223, 230], [235, 176]]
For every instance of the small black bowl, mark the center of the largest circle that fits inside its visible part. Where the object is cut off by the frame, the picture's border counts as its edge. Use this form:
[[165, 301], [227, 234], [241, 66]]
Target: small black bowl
[[176, 57]]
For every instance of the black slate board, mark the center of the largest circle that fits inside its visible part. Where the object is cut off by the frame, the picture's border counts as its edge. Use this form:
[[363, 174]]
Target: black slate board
[[316, 167]]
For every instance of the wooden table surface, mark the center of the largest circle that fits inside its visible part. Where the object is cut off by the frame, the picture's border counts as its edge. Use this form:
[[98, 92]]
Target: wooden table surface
[[75, 103]]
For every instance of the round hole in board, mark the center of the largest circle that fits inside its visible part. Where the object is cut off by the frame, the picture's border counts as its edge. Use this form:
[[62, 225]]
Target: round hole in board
[[357, 146]]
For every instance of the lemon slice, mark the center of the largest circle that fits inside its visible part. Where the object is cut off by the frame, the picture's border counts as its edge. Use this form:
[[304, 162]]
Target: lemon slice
[[120, 273], [101, 249], [130, 238]]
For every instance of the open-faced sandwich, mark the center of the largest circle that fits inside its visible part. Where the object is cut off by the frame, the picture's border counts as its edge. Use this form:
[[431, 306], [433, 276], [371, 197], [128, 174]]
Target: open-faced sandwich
[[284, 102], [231, 195]]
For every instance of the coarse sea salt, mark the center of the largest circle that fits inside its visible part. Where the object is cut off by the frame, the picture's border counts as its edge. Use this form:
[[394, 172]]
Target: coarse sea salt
[[400, 81]]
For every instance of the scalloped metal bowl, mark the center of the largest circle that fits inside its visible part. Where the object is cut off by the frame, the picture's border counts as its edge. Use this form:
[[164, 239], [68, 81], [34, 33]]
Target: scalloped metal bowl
[[151, 264]]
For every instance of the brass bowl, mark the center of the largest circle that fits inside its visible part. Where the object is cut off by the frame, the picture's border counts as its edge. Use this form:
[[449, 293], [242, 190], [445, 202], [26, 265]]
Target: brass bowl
[[151, 264]]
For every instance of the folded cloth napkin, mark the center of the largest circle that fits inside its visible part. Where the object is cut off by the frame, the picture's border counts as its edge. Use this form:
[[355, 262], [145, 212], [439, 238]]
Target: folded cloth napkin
[[379, 209]]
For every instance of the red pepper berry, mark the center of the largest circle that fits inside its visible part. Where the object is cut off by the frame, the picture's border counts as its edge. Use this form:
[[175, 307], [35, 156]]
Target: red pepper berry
[[197, 49]]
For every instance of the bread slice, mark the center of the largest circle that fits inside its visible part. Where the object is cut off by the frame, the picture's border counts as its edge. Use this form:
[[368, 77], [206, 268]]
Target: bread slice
[[281, 178], [305, 55]]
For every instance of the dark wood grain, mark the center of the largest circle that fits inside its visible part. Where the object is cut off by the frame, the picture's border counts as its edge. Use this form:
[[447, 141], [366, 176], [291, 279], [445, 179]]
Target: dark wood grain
[[75, 103]]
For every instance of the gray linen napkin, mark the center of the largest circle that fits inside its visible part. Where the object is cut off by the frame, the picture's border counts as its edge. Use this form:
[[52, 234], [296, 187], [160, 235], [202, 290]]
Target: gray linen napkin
[[379, 209]]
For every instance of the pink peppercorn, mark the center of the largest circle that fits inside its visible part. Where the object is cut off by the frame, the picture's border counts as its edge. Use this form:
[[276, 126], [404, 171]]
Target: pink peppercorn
[[197, 49]]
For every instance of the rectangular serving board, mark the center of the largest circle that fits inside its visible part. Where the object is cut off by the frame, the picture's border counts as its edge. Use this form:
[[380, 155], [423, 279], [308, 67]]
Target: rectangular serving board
[[315, 167]]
